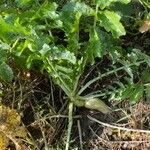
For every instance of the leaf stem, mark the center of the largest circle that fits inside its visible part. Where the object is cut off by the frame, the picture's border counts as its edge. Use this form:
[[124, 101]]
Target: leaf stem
[[95, 18], [62, 84], [104, 75], [13, 46], [69, 125]]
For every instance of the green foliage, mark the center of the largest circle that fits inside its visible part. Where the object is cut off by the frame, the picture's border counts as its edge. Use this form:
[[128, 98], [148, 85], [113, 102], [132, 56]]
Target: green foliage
[[145, 3], [6, 72], [62, 39], [23, 3], [111, 22], [133, 92], [146, 76], [40, 33], [106, 3]]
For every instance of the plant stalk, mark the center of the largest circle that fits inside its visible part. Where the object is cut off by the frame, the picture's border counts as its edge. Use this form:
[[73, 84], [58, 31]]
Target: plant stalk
[[69, 125]]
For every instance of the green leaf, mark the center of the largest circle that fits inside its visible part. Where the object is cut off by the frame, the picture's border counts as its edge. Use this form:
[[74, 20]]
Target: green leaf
[[45, 49], [12, 31], [145, 3], [129, 71], [31, 58], [78, 7], [146, 76], [6, 72], [137, 93], [3, 51], [24, 3], [124, 10], [4, 46], [70, 17], [71, 13], [111, 22], [127, 67], [95, 46], [64, 69], [48, 10], [65, 77], [133, 92], [126, 93], [61, 54], [142, 56], [105, 3]]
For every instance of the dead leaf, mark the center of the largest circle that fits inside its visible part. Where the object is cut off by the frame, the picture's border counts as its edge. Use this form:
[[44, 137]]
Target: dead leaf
[[10, 128], [145, 26]]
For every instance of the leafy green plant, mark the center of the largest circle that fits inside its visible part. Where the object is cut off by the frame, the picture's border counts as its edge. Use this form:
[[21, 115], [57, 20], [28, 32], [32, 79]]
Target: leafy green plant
[[64, 63], [145, 3], [41, 35]]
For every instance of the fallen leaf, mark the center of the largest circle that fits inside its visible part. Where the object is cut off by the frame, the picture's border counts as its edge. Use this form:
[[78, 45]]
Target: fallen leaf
[[145, 26]]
